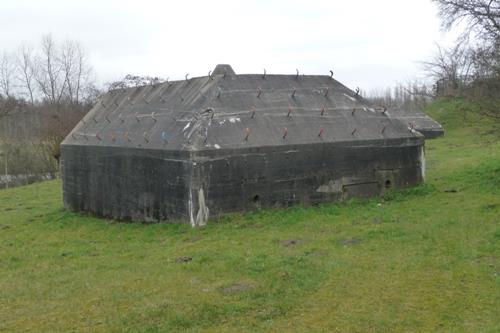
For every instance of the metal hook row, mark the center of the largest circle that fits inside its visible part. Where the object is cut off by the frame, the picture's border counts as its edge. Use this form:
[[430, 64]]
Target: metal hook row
[[218, 95], [322, 111], [122, 119], [320, 133], [210, 76], [126, 135], [147, 137]]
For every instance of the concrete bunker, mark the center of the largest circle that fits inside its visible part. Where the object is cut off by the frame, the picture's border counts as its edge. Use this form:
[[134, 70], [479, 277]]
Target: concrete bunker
[[200, 147]]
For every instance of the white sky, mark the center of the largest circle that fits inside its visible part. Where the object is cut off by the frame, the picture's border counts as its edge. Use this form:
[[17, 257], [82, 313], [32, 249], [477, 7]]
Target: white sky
[[367, 43]]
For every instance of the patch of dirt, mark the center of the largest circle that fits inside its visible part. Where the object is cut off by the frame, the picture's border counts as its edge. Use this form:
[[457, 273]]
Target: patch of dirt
[[490, 206], [373, 220], [350, 241], [492, 262], [316, 253], [193, 239], [183, 259], [236, 288], [291, 242], [256, 225]]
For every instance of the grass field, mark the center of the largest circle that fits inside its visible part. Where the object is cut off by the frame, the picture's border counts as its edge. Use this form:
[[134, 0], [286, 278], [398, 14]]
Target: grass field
[[425, 259]]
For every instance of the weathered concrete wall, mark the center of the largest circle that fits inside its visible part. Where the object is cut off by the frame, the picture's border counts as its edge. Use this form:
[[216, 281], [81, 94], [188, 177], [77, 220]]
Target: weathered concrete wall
[[157, 185], [306, 174], [124, 183]]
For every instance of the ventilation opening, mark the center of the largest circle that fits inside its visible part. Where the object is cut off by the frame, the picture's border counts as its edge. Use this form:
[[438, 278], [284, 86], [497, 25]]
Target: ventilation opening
[[256, 199], [388, 183]]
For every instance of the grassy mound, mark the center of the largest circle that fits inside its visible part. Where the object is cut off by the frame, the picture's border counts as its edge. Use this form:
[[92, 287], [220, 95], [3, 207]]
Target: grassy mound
[[423, 259]]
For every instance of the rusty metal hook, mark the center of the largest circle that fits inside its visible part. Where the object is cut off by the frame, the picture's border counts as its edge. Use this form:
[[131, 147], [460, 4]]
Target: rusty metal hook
[[285, 133]]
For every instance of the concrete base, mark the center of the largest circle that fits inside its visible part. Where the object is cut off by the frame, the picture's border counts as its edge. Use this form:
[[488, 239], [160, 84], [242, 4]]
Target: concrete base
[[156, 185]]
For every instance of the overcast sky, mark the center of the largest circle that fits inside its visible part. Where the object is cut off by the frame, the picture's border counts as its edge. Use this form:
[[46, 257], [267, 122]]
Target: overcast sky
[[366, 43]]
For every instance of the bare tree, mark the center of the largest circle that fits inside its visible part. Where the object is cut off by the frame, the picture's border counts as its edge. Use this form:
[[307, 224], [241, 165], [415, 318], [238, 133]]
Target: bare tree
[[410, 96], [44, 92], [451, 68], [83, 82], [481, 33], [7, 69], [450, 64], [26, 71], [50, 75], [481, 17], [62, 72]]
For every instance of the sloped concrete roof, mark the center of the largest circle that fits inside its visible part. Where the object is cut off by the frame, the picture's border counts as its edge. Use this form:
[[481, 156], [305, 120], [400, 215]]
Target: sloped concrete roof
[[419, 121], [228, 110]]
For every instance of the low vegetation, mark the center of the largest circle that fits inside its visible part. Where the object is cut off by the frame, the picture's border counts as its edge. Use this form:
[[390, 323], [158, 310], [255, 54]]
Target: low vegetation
[[424, 259]]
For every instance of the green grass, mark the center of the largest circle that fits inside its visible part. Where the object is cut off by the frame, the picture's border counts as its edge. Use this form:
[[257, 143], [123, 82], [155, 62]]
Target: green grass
[[422, 260]]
